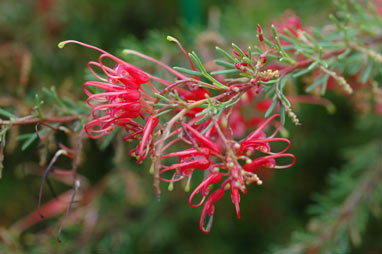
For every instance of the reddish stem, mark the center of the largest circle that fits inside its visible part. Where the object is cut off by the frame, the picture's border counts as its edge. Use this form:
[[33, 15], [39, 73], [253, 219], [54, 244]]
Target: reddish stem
[[63, 119]]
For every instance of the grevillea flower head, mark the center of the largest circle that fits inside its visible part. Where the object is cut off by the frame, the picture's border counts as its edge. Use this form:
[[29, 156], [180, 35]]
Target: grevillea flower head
[[228, 174], [121, 99]]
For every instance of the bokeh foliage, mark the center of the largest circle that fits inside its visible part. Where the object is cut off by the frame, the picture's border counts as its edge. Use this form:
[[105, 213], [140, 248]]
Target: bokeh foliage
[[129, 217]]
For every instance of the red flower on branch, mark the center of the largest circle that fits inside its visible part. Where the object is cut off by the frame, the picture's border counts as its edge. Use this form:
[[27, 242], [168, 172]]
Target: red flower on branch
[[206, 154], [117, 98]]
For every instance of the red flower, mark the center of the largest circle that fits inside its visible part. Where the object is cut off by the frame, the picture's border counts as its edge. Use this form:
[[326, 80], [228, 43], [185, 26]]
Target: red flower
[[120, 99], [205, 154]]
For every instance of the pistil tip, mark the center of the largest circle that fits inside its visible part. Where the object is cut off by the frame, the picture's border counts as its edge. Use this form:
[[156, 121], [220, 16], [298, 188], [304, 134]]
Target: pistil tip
[[61, 44], [331, 108], [170, 38]]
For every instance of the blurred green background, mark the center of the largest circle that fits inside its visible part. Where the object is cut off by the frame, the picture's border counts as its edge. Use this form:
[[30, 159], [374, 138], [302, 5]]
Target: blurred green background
[[130, 220]]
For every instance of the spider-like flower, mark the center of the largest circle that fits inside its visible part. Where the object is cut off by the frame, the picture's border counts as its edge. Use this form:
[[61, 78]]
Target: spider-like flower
[[116, 98], [223, 167]]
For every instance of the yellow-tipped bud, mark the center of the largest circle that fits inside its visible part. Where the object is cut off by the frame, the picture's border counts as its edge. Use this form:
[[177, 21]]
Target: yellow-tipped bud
[[331, 108], [224, 122], [61, 44], [170, 38]]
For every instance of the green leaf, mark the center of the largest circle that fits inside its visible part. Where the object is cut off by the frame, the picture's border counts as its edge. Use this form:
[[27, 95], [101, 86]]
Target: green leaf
[[312, 40], [187, 71], [239, 50], [161, 97], [270, 82], [324, 84], [285, 99], [270, 92], [38, 106], [250, 53], [269, 43], [283, 82], [229, 71], [336, 21], [5, 113], [164, 112], [282, 113], [212, 122], [204, 111], [314, 85], [271, 108], [307, 70], [343, 55], [203, 119], [230, 103], [274, 31], [286, 38], [366, 74], [28, 142], [160, 105], [224, 63], [269, 56], [194, 57], [225, 54]]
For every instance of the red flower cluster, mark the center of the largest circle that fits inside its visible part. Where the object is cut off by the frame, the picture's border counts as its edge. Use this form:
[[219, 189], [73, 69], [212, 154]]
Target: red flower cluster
[[254, 150], [117, 99]]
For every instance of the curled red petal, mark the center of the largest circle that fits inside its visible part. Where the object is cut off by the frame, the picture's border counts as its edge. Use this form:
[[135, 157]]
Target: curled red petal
[[212, 179], [262, 161], [255, 134], [209, 210]]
